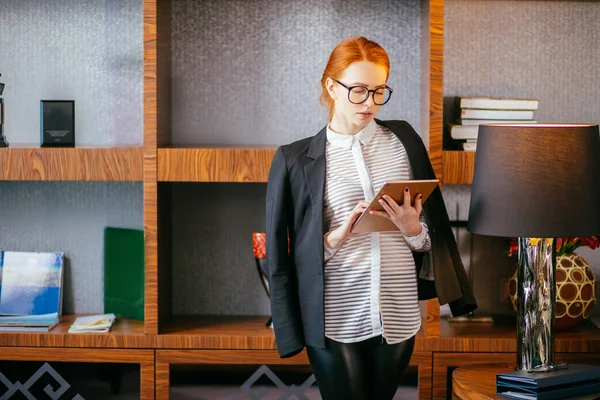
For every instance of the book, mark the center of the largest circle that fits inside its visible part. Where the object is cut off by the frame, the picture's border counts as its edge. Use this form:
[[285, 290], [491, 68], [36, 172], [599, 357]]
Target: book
[[496, 114], [494, 121], [31, 286], [499, 103], [93, 323], [575, 380], [124, 272]]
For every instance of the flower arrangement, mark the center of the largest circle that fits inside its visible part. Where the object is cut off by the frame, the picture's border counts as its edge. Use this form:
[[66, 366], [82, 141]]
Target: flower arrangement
[[563, 245]]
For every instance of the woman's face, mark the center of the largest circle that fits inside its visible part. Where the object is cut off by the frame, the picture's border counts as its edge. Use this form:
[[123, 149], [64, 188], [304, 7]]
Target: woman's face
[[361, 73]]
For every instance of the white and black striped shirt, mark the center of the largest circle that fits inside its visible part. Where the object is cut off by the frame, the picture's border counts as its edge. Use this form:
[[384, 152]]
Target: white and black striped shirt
[[371, 280]]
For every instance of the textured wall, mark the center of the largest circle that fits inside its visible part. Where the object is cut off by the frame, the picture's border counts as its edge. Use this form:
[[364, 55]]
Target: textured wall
[[90, 51], [537, 49], [69, 217], [248, 72], [213, 264]]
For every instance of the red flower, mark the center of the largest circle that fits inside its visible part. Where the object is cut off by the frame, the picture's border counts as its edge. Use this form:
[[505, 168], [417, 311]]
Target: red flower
[[563, 245]]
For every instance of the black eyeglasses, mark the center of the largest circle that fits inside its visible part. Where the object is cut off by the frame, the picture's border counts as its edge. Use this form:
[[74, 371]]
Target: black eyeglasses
[[360, 94]]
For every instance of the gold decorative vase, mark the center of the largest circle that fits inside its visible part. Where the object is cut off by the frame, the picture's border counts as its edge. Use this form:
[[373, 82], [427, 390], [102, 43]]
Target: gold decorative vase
[[575, 290]]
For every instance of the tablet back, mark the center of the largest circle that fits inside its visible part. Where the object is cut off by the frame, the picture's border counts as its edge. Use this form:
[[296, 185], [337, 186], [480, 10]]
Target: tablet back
[[395, 189]]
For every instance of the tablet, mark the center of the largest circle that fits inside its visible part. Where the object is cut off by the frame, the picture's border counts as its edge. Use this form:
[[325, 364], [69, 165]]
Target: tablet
[[367, 222]]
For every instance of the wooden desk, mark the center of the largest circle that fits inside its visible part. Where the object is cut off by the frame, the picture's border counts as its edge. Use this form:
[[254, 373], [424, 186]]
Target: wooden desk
[[478, 381]]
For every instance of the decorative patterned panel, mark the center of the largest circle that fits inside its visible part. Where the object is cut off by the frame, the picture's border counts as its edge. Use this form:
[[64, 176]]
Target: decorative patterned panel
[[538, 49], [89, 51], [69, 217], [248, 72]]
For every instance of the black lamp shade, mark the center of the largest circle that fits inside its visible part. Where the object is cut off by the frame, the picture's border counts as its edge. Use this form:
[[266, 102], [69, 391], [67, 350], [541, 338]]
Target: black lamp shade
[[536, 181]]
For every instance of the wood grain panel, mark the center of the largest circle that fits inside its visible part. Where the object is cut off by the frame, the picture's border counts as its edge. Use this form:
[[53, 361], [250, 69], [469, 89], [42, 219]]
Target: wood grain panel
[[435, 71], [424, 362], [143, 357], [224, 332], [501, 337], [443, 361], [162, 380], [477, 382], [157, 125], [214, 164], [147, 377], [458, 167], [23, 163], [125, 333], [432, 43]]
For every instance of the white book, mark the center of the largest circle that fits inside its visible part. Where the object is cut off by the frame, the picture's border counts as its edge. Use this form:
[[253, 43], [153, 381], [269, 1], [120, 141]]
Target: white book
[[461, 132], [93, 323], [499, 103], [469, 146], [496, 114], [493, 121]]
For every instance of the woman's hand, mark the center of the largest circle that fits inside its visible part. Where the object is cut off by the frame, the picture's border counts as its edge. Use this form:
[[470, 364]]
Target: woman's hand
[[337, 237], [405, 217]]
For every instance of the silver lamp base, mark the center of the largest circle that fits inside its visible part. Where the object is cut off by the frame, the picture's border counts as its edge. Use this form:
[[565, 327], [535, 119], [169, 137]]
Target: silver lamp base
[[536, 297]]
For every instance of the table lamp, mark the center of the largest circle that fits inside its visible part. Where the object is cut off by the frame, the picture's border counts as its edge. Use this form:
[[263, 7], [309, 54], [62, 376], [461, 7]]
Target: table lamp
[[536, 182]]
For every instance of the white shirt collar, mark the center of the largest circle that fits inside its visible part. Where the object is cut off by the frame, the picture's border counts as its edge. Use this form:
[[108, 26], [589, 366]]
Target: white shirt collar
[[345, 141]]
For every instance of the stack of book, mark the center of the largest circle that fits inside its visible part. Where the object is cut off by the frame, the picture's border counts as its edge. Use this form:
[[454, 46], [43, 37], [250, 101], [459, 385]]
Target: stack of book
[[572, 381], [31, 286], [475, 111]]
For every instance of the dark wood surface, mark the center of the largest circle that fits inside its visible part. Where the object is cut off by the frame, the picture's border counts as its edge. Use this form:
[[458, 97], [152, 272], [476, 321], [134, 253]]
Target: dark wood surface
[[33, 163], [477, 382]]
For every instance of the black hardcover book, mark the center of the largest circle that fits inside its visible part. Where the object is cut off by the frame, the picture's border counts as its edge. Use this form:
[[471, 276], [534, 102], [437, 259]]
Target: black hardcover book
[[575, 380], [57, 123]]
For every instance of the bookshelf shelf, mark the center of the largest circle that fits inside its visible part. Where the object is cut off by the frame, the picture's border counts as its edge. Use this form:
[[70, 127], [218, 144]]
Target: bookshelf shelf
[[214, 164], [125, 333], [28, 163], [220, 332]]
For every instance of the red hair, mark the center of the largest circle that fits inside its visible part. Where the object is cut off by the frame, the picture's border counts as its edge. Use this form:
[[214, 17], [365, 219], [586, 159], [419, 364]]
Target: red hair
[[345, 53]]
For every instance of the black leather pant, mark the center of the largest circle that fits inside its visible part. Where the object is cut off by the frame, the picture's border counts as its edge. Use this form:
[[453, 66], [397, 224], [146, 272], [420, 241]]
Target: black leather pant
[[367, 370]]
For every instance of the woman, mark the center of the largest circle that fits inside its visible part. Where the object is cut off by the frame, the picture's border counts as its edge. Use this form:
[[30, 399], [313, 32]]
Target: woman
[[352, 299]]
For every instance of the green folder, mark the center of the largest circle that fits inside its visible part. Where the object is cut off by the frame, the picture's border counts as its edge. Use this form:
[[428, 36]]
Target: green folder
[[124, 272]]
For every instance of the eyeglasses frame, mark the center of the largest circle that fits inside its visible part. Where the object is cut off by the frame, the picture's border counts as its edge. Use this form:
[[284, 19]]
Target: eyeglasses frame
[[369, 91]]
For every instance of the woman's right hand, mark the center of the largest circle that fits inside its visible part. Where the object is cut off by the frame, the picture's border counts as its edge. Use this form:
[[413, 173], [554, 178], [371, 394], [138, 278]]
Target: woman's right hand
[[337, 237]]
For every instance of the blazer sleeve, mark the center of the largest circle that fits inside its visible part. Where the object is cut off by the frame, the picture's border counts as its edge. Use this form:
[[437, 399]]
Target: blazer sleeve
[[466, 303], [283, 285]]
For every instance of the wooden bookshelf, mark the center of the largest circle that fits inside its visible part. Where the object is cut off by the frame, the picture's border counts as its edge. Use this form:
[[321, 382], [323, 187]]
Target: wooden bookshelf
[[124, 334], [33, 163], [157, 163], [215, 164]]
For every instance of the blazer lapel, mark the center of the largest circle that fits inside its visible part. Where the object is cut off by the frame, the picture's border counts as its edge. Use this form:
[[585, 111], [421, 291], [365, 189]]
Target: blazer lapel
[[314, 173]]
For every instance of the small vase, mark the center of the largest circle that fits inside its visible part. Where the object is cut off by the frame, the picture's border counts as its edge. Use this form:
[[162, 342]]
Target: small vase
[[575, 290], [260, 258]]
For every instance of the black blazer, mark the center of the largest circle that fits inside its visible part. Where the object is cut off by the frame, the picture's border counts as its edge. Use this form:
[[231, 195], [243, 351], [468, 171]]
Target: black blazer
[[294, 206]]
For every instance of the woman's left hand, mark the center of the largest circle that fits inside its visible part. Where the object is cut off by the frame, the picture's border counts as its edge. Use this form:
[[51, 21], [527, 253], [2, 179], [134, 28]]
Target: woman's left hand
[[405, 216]]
